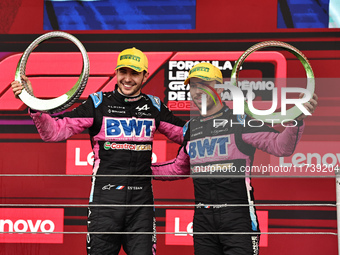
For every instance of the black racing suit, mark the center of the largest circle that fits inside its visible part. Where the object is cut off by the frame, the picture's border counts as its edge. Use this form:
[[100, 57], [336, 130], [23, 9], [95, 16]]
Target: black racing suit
[[224, 144], [121, 131]]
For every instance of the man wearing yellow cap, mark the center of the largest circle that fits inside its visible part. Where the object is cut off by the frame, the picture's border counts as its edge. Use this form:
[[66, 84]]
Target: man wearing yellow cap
[[121, 124], [132, 71], [221, 143]]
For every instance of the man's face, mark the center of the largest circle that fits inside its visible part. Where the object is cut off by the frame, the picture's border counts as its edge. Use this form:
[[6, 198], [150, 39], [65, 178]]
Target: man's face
[[199, 87], [130, 81]]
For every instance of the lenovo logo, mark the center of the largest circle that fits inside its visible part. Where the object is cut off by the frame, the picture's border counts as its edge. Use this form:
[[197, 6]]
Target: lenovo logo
[[180, 222], [31, 225], [21, 226], [80, 158], [309, 158]]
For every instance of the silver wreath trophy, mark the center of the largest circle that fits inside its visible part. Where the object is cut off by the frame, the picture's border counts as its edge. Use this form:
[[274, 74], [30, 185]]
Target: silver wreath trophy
[[64, 101]]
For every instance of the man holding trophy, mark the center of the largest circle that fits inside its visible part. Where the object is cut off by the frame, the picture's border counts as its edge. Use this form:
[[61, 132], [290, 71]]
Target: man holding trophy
[[121, 126]]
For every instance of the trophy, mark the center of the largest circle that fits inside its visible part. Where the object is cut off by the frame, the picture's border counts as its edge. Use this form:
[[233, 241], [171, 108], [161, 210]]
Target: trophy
[[293, 112], [64, 101]]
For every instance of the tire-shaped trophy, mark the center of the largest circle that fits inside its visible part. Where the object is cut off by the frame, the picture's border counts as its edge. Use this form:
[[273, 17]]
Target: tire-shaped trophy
[[64, 101], [291, 113]]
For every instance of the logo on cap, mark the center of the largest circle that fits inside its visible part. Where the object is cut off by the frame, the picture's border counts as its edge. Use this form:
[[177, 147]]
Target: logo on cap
[[205, 71], [134, 59], [196, 69]]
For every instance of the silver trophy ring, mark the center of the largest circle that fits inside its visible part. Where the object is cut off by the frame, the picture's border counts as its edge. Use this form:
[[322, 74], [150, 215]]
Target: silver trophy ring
[[293, 112], [64, 101]]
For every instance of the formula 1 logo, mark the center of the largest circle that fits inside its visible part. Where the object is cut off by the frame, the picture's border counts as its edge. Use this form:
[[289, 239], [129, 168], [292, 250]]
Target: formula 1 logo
[[129, 127], [62, 77], [209, 147]]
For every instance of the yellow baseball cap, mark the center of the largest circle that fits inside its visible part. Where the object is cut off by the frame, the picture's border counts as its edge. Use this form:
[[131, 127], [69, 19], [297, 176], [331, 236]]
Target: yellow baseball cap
[[205, 71], [132, 58]]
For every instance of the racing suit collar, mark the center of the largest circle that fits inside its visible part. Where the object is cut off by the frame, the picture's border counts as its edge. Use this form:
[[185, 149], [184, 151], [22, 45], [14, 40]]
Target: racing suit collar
[[126, 99], [217, 114]]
